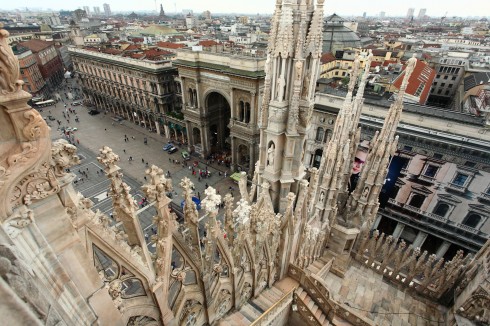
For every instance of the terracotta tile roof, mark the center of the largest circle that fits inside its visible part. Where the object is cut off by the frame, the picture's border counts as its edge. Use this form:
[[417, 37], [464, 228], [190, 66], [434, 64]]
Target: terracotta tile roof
[[132, 47], [36, 45], [155, 54], [137, 55], [170, 45], [388, 62], [422, 77], [208, 43], [327, 57]]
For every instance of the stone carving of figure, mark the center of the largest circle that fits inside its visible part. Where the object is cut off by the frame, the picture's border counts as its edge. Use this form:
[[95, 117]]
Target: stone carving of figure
[[270, 154], [9, 65], [322, 197], [299, 70], [280, 88], [365, 192], [306, 85]]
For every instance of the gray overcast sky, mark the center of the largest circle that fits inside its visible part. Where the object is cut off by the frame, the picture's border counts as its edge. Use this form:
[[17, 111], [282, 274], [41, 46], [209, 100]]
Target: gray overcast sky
[[347, 8]]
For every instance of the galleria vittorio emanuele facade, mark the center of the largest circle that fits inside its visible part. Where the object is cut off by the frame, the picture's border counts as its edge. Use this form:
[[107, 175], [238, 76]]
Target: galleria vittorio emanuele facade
[[297, 249]]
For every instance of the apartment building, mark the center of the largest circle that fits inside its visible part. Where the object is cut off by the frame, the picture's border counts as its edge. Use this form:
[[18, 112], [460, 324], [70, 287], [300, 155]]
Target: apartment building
[[29, 71]]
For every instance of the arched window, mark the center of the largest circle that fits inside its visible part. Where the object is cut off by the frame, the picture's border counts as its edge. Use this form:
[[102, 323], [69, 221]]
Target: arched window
[[191, 97], [472, 220], [195, 98], [441, 209], [241, 111], [319, 134], [326, 138], [247, 112]]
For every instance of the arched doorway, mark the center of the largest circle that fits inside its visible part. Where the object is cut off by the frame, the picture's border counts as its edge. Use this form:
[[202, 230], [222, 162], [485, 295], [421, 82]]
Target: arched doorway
[[219, 114]]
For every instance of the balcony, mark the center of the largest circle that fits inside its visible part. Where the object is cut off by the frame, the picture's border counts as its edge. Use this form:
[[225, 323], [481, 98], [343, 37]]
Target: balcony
[[413, 209], [437, 217], [484, 197], [426, 178], [468, 228], [458, 188]]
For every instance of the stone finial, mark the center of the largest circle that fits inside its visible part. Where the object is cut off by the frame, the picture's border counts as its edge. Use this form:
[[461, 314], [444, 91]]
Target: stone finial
[[242, 212], [108, 158], [186, 184], [212, 200], [9, 66], [158, 186]]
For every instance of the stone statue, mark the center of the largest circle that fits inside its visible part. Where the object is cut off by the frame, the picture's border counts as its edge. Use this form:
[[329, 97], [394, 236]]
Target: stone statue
[[281, 82], [270, 154], [9, 66], [299, 70]]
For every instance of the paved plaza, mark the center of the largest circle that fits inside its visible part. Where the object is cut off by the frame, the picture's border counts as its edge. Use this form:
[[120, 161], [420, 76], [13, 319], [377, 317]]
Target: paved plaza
[[95, 131]]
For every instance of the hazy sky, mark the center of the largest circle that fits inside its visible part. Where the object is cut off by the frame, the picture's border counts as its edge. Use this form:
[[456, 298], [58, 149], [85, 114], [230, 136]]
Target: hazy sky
[[341, 7]]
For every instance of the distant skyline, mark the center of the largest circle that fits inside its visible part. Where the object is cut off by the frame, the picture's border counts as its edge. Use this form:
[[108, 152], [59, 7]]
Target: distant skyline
[[346, 8]]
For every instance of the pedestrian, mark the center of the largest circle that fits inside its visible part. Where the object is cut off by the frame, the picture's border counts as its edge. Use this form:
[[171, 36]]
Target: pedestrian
[[146, 164], [105, 129], [78, 142], [142, 161], [144, 177], [199, 195], [206, 186], [124, 151]]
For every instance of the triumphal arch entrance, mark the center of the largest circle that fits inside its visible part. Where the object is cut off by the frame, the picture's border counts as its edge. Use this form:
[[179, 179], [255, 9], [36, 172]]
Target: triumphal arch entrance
[[221, 101]]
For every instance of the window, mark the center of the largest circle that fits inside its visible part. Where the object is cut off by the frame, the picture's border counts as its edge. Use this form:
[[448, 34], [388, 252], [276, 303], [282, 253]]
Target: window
[[327, 136], [453, 78], [443, 84], [445, 77], [437, 156], [460, 179], [472, 220], [317, 158], [319, 134], [446, 93], [431, 171], [394, 192], [417, 200], [470, 164], [441, 209]]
